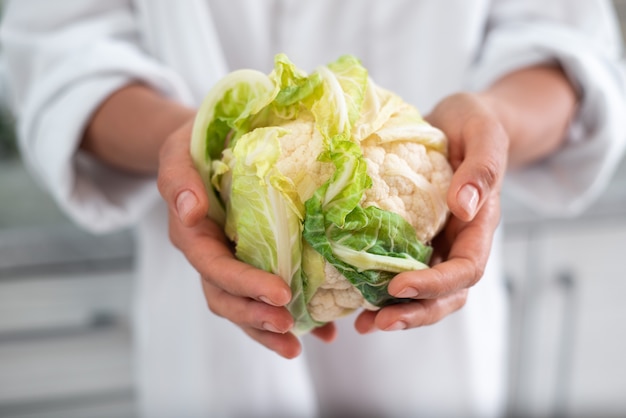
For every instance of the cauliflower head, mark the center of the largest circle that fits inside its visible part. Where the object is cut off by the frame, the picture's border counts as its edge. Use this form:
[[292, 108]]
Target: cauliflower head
[[326, 179]]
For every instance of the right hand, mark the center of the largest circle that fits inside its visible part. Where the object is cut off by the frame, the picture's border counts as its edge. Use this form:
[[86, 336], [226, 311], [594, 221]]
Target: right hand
[[478, 146], [253, 299]]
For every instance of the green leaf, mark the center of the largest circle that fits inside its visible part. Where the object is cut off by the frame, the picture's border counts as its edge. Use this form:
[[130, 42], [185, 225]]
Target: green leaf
[[338, 108], [265, 214], [223, 116]]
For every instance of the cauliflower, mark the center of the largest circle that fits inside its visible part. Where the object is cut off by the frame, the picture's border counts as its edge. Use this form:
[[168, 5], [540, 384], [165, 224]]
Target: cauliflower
[[325, 179]]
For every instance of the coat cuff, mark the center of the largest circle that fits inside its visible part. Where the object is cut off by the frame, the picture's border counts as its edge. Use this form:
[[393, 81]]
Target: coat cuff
[[97, 197]]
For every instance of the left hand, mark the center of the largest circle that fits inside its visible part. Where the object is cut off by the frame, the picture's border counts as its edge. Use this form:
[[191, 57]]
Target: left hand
[[251, 299], [478, 148]]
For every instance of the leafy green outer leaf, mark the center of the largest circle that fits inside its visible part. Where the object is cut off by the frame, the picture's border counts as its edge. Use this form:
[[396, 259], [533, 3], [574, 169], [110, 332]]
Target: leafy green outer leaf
[[344, 87], [295, 89], [313, 268], [265, 215], [224, 114], [303, 322]]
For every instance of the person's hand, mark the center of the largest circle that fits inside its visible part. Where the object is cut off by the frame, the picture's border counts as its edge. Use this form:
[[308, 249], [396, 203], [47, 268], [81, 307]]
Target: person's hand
[[251, 298], [478, 147]]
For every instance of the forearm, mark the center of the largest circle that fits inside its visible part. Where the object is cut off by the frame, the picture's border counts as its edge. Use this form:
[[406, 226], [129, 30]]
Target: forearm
[[535, 107], [128, 129]]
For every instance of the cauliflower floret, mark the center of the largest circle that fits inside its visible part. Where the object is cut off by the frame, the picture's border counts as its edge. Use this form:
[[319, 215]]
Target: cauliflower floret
[[441, 173], [297, 147], [410, 180], [336, 297]]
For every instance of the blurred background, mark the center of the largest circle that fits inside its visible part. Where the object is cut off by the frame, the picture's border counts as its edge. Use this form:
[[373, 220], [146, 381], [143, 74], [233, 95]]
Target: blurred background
[[65, 302]]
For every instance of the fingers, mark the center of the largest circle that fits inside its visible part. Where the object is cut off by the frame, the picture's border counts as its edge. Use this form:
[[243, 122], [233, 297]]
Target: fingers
[[366, 322], [246, 312], [269, 325], [326, 333], [286, 345], [478, 150], [266, 324], [482, 169], [411, 315], [466, 260], [178, 180], [442, 289], [207, 250], [251, 298]]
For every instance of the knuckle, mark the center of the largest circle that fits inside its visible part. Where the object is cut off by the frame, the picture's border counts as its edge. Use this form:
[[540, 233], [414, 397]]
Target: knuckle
[[161, 183], [460, 300], [167, 148], [445, 306], [434, 315], [439, 282], [165, 177], [173, 234], [432, 312], [479, 271], [212, 298], [213, 309], [488, 171], [475, 272], [427, 312]]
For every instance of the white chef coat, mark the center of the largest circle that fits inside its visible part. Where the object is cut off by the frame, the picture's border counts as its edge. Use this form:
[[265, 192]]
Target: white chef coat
[[65, 57]]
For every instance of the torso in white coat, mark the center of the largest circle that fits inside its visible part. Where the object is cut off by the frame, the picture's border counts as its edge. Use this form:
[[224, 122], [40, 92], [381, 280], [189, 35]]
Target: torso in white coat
[[192, 360]]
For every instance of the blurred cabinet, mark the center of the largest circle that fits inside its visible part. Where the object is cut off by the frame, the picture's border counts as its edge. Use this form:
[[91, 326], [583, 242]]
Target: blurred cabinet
[[65, 341], [568, 281], [65, 301]]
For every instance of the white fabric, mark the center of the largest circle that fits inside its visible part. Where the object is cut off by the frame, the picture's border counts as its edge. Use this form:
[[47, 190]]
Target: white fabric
[[65, 57]]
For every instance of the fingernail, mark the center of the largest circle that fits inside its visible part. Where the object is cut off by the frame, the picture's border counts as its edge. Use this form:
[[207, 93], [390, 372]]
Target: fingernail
[[185, 202], [407, 292], [271, 328], [267, 300], [370, 330], [468, 199], [396, 326]]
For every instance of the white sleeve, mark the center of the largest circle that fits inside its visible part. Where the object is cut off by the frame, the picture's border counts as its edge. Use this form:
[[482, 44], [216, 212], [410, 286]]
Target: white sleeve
[[583, 37], [62, 61]]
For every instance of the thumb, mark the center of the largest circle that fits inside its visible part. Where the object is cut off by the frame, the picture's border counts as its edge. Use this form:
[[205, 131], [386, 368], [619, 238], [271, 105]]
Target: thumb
[[178, 180], [481, 170]]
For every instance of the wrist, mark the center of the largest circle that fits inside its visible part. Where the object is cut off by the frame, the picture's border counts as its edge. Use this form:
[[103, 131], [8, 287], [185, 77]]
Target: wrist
[[534, 106], [501, 111]]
